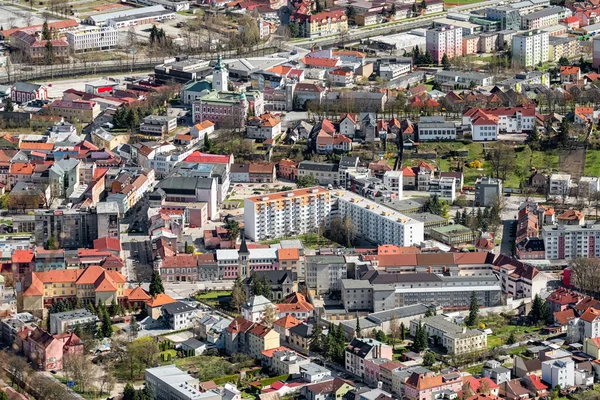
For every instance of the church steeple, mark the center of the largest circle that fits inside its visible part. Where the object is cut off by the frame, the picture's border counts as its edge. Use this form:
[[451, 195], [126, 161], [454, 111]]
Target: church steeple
[[220, 76], [243, 254]]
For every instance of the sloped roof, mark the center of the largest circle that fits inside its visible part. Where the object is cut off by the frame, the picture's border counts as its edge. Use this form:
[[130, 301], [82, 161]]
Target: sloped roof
[[160, 300]]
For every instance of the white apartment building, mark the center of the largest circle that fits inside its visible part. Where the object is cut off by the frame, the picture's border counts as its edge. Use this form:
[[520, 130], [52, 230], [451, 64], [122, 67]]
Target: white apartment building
[[377, 223], [530, 48], [588, 186], [571, 241], [443, 188], [392, 180], [389, 72], [286, 213], [444, 40], [169, 382], [522, 282], [559, 184], [590, 321], [455, 338], [559, 372], [92, 39]]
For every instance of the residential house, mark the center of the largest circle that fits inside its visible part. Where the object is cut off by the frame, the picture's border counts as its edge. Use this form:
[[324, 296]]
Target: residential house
[[359, 350], [261, 338], [47, 351]]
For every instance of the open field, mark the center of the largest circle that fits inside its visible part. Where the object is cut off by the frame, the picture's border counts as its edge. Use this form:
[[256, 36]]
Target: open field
[[525, 160], [592, 163], [501, 330]]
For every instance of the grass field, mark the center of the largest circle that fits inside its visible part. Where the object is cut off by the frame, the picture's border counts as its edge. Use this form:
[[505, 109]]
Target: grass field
[[525, 159], [455, 3], [592, 163], [216, 298], [501, 330]]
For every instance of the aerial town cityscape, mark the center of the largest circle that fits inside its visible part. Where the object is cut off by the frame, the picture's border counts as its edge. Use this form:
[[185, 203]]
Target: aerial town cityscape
[[302, 199]]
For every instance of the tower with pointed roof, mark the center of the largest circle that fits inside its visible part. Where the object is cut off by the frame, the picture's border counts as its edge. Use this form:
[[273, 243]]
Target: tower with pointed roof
[[157, 264], [243, 254], [220, 76]]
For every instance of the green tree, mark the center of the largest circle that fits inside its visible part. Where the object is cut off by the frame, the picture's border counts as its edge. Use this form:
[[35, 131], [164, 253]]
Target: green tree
[[393, 10], [52, 243], [350, 13], [511, 338], [563, 61], [106, 325], [445, 62], [423, 4], [208, 144], [307, 181], [46, 35], [473, 311], [357, 329], [316, 339], [238, 296], [294, 29], [233, 229], [428, 359], [414, 8], [129, 393], [540, 313], [8, 106], [402, 332], [563, 132], [156, 285], [49, 53], [380, 336]]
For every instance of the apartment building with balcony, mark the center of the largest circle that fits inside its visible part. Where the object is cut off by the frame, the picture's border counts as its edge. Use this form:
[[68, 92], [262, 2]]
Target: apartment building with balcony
[[443, 188], [571, 241], [281, 214], [376, 222], [530, 48]]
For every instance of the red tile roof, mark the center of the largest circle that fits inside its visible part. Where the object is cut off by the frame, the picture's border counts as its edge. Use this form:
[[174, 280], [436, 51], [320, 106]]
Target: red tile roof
[[22, 256], [198, 157], [160, 300], [107, 243]]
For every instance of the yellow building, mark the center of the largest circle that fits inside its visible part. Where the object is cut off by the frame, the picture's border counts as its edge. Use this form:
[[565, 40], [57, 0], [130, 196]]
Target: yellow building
[[592, 347], [322, 24], [105, 140], [92, 284], [76, 110], [261, 338]]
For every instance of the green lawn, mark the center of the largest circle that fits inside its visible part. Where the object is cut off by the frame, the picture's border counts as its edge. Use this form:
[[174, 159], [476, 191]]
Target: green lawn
[[216, 298], [525, 159], [398, 351], [592, 163], [501, 330], [475, 369]]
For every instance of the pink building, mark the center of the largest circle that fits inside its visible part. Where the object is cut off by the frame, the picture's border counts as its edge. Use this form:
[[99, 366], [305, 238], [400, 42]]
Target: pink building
[[359, 351], [373, 370], [444, 40], [422, 386], [47, 351]]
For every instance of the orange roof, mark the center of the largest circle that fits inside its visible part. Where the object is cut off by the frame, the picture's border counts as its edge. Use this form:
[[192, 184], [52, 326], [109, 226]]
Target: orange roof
[[569, 70], [260, 330], [22, 256], [287, 322], [21, 168], [160, 300], [408, 171], [590, 314], [269, 353], [320, 61], [571, 215], [36, 146], [284, 195], [204, 125], [288, 254], [107, 243]]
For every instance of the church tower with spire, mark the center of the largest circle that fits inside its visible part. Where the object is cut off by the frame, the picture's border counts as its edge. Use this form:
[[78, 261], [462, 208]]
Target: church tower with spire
[[220, 76], [243, 254]]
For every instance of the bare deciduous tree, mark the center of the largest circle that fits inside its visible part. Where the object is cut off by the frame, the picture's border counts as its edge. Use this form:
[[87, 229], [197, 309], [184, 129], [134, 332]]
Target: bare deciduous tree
[[80, 369], [586, 274]]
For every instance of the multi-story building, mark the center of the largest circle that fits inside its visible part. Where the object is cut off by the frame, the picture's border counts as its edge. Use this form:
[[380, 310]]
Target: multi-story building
[[530, 48], [93, 284], [449, 80], [559, 372], [178, 315], [422, 385], [559, 47], [64, 321], [571, 241], [487, 191], [22, 92], [455, 338], [158, 125], [510, 18], [443, 188], [77, 228], [37, 50], [360, 350], [321, 24], [261, 338], [559, 185], [77, 110], [503, 119], [92, 39], [324, 173], [169, 382], [436, 129], [522, 281], [324, 273], [286, 213], [444, 40], [377, 223], [393, 181], [384, 291], [543, 18], [265, 126]]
